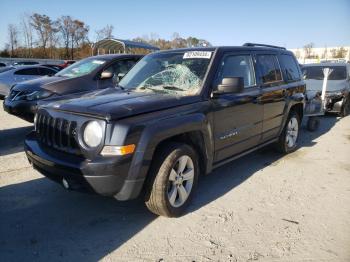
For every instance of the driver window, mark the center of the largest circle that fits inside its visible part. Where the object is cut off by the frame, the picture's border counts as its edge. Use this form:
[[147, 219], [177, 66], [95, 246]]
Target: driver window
[[237, 66], [120, 67]]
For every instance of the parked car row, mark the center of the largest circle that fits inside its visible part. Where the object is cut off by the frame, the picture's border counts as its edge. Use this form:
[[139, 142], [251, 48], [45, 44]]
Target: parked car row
[[88, 74], [175, 114]]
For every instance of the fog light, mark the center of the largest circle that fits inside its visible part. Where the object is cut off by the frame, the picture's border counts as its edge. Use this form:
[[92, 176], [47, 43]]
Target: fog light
[[118, 150]]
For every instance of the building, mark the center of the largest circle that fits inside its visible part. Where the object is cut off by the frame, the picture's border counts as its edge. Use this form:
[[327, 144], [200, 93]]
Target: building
[[319, 54]]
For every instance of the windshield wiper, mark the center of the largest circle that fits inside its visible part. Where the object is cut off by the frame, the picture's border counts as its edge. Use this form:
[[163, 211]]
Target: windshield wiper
[[169, 87]]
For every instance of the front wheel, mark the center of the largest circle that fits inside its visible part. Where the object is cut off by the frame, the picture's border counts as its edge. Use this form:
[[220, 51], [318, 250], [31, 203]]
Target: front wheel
[[173, 177], [289, 137], [345, 109]]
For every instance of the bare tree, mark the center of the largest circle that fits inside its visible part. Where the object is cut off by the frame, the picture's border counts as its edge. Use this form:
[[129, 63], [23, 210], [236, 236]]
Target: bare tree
[[13, 37], [308, 50], [27, 31], [106, 32], [65, 25], [334, 52], [341, 52], [44, 27], [78, 35]]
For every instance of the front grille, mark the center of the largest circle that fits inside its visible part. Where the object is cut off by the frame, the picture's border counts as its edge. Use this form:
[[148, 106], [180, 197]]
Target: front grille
[[57, 133]]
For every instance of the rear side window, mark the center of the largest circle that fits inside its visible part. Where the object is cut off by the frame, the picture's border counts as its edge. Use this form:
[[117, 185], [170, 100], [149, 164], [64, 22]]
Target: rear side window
[[290, 67], [27, 71], [237, 66], [46, 71], [269, 68]]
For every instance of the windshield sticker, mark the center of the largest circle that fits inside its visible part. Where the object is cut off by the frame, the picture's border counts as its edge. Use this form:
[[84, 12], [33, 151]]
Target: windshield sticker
[[99, 62], [197, 54]]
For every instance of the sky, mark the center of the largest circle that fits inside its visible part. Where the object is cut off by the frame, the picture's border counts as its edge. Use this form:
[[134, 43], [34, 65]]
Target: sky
[[288, 23]]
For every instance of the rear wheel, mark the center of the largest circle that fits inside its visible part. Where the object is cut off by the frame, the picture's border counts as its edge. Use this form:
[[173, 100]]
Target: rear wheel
[[289, 137], [173, 178]]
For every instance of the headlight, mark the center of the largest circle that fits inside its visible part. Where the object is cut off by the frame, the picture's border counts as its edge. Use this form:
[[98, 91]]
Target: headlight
[[38, 95], [93, 134], [33, 96]]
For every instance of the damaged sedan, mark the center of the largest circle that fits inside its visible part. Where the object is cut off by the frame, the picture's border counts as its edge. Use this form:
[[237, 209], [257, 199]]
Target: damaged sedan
[[338, 85]]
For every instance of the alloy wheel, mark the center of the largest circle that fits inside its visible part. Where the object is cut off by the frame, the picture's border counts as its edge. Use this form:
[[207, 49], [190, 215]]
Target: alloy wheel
[[181, 180], [292, 132]]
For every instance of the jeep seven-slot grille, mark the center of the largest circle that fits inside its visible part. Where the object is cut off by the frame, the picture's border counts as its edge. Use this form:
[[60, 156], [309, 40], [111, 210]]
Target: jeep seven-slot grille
[[57, 133]]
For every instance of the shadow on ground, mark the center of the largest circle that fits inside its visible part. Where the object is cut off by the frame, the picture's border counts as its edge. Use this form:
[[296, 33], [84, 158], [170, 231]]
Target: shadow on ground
[[41, 221], [11, 140]]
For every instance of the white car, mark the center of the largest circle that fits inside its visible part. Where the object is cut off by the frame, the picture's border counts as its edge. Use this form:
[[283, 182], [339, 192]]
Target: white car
[[338, 85], [14, 74]]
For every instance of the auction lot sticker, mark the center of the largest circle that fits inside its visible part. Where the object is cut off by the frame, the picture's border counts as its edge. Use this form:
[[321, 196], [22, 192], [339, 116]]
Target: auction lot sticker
[[197, 54]]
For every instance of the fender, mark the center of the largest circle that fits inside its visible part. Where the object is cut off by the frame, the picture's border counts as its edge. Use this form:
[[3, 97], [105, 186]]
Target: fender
[[159, 131], [297, 98]]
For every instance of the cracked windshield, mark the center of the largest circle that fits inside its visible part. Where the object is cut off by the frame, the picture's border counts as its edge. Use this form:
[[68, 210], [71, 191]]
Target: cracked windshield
[[179, 73]]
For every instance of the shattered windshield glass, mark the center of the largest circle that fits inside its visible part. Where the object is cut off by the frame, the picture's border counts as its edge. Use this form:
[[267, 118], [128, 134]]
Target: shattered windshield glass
[[178, 73]]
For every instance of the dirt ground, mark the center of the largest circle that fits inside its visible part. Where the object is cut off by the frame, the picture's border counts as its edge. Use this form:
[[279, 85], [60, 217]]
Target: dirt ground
[[263, 207]]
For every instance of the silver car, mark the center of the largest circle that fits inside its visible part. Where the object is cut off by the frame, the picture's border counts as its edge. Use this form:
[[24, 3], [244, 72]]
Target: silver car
[[338, 85], [14, 74]]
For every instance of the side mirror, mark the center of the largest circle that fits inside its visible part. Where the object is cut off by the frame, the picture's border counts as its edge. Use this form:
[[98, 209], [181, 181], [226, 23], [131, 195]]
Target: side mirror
[[230, 85], [106, 75]]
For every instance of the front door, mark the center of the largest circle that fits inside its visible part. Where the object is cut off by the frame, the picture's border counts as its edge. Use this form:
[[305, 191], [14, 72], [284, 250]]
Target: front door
[[237, 117]]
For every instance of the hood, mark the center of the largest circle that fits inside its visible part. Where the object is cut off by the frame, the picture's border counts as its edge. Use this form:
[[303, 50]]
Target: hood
[[332, 85], [113, 104], [56, 84]]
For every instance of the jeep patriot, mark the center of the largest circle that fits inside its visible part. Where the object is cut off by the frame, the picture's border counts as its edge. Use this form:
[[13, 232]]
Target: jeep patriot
[[177, 114]]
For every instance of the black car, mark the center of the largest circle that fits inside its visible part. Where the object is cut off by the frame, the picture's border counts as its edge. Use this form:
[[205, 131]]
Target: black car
[[88, 74], [176, 114]]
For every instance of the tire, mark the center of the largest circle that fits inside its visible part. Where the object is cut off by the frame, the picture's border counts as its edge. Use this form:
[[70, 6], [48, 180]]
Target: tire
[[345, 109], [313, 123], [165, 195], [290, 131]]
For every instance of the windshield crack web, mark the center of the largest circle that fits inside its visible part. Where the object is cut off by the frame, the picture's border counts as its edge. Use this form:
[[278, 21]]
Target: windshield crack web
[[175, 78]]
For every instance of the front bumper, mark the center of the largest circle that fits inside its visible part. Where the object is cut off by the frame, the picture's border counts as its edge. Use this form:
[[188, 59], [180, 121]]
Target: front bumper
[[23, 109], [106, 176]]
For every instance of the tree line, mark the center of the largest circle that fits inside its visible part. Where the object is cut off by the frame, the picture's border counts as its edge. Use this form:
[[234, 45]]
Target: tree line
[[308, 51], [40, 36]]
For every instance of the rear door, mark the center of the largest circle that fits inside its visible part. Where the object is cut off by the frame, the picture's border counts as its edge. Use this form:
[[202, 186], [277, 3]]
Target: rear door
[[237, 117], [274, 93]]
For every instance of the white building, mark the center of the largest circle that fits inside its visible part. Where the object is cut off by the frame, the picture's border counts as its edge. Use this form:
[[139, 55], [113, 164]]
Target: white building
[[319, 54]]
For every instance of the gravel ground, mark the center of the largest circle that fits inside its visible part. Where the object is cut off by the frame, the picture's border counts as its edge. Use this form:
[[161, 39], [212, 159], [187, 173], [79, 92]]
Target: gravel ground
[[263, 207]]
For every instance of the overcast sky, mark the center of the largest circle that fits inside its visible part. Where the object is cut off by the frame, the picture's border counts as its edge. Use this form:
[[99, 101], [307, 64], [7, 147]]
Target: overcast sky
[[289, 23]]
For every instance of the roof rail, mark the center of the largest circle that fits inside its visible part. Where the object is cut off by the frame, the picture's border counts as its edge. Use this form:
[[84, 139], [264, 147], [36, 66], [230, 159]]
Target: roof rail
[[272, 46]]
